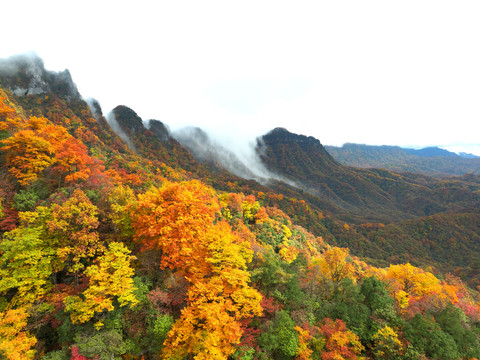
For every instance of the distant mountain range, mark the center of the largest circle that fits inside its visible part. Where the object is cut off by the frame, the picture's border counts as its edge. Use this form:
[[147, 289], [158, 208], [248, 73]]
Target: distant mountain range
[[432, 161]]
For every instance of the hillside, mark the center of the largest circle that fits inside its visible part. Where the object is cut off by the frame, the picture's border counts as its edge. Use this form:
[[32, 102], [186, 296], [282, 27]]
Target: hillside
[[374, 195], [429, 161], [119, 243]]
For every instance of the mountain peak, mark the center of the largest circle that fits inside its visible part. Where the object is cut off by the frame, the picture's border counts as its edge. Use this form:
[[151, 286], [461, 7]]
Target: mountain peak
[[292, 154], [26, 75], [161, 131], [282, 135], [278, 131], [128, 119]]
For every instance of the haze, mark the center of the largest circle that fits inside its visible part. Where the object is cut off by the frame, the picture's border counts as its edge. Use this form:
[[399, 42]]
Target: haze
[[374, 72]]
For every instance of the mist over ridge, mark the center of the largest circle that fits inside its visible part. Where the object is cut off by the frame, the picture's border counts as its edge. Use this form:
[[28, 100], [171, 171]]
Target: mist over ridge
[[239, 156]]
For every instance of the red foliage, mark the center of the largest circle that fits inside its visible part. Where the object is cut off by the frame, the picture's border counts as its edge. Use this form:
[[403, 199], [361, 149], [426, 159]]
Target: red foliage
[[249, 337], [77, 356], [269, 306], [10, 220], [160, 300]]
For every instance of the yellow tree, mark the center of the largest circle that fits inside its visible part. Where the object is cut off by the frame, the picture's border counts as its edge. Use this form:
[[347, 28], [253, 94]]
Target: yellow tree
[[110, 278], [407, 281], [218, 299], [303, 351], [25, 264], [335, 264], [72, 228], [386, 344], [6, 114], [15, 342]]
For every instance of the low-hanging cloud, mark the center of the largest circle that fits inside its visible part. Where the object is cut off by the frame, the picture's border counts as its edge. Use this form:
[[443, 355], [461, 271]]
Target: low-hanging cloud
[[117, 129], [238, 156]]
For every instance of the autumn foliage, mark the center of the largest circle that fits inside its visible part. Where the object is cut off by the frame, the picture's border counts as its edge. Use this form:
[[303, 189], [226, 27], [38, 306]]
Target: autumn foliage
[[178, 218], [116, 252], [38, 144]]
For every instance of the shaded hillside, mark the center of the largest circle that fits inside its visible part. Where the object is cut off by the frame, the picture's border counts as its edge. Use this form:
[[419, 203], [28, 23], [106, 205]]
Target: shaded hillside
[[373, 195], [429, 161]]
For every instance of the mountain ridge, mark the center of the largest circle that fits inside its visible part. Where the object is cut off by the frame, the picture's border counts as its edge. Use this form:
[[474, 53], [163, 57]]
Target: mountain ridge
[[429, 161]]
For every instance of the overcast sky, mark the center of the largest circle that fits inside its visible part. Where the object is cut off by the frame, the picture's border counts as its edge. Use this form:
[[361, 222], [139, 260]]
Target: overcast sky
[[374, 72]]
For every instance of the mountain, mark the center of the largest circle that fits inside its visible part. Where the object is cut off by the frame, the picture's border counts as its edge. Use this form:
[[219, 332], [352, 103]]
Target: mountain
[[120, 239], [366, 194], [431, 161], [26, 75]]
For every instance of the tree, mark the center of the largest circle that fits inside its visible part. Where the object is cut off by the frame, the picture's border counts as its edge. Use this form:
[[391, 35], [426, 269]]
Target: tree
[[173, 218], [453, 321], [377, 299], [72, 227], [303, 350], [109, 279], [25, 264], [15, 343], [39, 144], [5, 109], [7, 113], [218, 298], [27, 155], [178, 219], [72, 160], [427, 337], [335, 264], [386, 344], [340, 343], [280, 339], [408, 281]]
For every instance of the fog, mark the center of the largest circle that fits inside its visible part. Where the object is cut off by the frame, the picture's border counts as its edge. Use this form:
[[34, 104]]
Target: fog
[[238, 155], [25, 74], [117, 129]]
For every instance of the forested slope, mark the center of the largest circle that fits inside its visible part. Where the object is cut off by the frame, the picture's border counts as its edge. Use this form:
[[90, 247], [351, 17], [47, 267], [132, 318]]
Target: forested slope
[[109, 251]]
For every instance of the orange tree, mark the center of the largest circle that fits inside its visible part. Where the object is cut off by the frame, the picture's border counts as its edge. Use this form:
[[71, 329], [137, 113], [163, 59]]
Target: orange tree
[[179, 219]]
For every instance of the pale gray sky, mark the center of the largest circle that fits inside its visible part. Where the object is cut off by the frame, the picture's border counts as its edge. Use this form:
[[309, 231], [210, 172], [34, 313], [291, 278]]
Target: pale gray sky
[[375, 71]]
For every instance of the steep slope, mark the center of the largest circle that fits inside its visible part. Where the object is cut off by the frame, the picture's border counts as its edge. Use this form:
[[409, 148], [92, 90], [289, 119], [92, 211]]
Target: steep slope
[[429, 161], [373, 195], [154, 143]]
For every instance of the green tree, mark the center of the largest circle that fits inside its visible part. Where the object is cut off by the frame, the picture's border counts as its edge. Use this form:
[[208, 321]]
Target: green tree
[[280, 339], [427, 338], [453, 321]]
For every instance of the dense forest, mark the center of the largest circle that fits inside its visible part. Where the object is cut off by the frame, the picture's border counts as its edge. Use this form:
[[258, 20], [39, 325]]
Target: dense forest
[[124, 245]]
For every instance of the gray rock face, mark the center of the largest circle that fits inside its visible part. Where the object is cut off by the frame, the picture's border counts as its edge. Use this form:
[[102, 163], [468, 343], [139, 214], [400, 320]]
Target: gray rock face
[[26, 75]]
